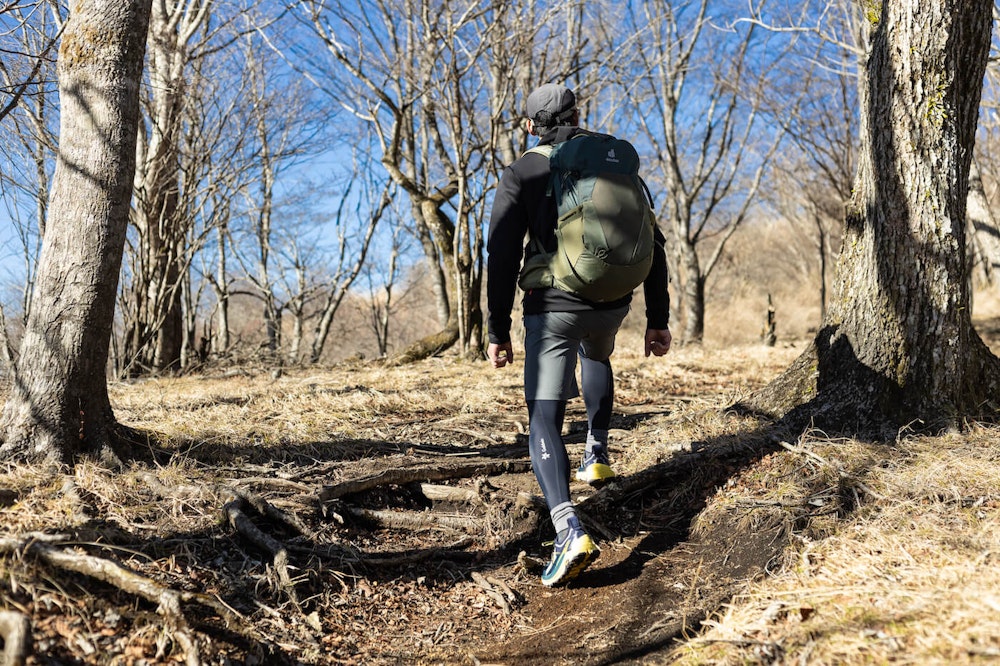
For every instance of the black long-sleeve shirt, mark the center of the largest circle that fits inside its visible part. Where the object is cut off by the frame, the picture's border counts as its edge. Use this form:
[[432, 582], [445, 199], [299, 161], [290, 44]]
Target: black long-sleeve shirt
[[521, 206]]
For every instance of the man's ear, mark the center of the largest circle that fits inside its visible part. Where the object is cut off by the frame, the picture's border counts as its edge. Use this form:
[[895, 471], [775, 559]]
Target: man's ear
[[529, 125]]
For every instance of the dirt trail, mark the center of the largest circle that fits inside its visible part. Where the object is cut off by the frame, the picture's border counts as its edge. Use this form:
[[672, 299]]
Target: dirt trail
[[642, 596]]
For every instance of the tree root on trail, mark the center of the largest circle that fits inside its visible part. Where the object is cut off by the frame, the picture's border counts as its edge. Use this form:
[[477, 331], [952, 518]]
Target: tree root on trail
[[167, 600], [268, 510], [404, 475], [451, 494], [418, 520], [445, 552], [234, 511], [681, 463]]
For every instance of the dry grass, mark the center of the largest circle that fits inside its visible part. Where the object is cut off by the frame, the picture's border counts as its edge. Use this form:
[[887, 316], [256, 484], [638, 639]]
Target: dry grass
[[906, 575]]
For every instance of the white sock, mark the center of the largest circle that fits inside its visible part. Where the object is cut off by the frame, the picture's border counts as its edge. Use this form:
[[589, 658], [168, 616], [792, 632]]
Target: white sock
[[561, 515]]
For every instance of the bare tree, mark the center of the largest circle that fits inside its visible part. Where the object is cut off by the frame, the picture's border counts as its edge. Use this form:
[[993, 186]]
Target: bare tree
[[351, 253], [27, 136], [155, 340], [381, 281], [27, 43], [898, 347], [984, 179], [705, 116], [58, 405], [417, 74], [984, 228], [814, 182]]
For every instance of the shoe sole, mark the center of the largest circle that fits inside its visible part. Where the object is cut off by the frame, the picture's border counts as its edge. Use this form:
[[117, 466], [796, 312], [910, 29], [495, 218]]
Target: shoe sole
[[595, 474], [579, 561]]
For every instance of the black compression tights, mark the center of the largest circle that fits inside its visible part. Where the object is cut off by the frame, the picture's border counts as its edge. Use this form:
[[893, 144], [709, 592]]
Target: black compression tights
[[598, 388], [548, 453], [545, 444]]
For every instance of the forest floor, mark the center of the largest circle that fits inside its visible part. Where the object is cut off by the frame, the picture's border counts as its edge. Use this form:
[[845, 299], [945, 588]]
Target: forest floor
[[365, 514]]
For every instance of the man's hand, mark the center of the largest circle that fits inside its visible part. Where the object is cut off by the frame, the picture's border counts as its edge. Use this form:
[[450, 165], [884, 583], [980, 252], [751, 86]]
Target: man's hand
[[658, 341], [500, 354]]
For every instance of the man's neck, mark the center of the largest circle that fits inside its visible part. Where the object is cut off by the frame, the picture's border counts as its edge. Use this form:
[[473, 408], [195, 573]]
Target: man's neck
[[558, 134]]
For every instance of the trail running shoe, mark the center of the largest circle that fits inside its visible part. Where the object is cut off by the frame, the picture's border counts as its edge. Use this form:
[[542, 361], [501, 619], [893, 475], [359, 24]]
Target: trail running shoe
[[573, 551], [595, 469]]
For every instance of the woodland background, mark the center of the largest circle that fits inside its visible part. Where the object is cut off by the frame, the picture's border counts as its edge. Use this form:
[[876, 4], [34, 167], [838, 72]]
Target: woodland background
[[314, 180]]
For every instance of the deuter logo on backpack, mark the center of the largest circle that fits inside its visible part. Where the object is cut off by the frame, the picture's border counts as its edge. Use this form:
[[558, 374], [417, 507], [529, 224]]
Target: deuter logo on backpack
[[604, 234]]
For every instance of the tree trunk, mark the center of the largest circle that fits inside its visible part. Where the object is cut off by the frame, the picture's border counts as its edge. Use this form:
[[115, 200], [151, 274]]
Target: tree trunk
[[220, 340], [58, 405], [437, 237], [898, 347], [693, 297], [163, 224]]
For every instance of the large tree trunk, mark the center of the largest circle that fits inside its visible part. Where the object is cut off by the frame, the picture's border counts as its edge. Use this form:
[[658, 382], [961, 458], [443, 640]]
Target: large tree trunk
[[58, 405], [898, 347]]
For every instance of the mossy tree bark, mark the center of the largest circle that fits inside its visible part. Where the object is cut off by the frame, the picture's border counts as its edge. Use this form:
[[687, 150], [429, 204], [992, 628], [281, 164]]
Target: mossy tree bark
[[898, 347], [58, 406]]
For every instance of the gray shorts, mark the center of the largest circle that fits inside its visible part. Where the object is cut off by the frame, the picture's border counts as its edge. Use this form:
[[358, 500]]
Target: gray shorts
[[552, 341]]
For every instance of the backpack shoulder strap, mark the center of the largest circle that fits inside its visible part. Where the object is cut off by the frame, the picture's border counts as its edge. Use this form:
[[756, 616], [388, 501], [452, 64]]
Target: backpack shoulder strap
[[544, 150]]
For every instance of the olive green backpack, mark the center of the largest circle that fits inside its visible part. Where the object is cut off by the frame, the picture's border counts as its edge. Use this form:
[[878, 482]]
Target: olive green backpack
[[605, 228]]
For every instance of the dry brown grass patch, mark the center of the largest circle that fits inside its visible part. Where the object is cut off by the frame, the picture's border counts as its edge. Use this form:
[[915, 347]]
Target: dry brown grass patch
[[906, 576]]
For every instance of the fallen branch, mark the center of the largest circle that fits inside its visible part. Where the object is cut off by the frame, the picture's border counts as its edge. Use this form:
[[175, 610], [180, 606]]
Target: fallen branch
[[424, 473], [529, 564], [496, 582], [418, 520]]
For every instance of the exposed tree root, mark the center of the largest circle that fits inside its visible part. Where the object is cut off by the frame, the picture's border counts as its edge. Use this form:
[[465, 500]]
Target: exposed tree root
[[451, 552], [829, 388], [168, 601], [680, 464], [451, 494], [418, 520], [268, 510], [237, 518], [402, 476]]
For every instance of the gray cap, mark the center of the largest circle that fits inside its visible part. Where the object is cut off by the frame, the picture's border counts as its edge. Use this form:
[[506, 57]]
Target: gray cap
[[551, 104]]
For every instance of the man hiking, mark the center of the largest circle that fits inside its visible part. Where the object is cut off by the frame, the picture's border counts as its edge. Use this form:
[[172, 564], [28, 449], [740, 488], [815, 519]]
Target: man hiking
[[575, 294]]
